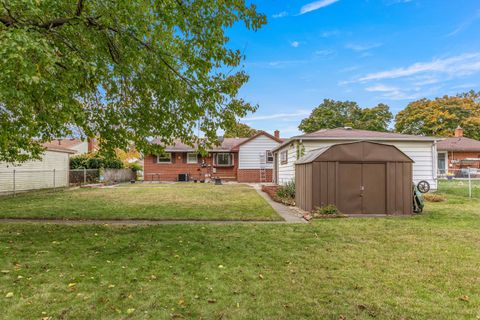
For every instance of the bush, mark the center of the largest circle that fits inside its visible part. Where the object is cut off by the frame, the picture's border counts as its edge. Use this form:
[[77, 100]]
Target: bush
[[328, 210], [434, 197], [135, 166], [94, 161], [287, 191]]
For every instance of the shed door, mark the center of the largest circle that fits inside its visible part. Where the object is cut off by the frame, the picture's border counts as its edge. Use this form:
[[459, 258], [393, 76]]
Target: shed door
[[374, 188], [349, 186], [362, 188]]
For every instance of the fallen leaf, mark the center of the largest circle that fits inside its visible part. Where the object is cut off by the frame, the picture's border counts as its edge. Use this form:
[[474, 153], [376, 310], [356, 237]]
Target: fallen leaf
[[221, 266], [130, 310], [9, 295], [465, 298], [5, 271], [71, 285], [111, 286], [260, 277], [212, 301]]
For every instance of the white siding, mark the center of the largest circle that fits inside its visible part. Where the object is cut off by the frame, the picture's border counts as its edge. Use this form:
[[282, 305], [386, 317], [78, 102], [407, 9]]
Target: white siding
[[423, 153], [36, 174], [250, 152]]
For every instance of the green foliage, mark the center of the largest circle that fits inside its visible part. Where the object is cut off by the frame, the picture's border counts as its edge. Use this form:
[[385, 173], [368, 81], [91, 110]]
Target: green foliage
[[440, 117], [240, 130], [287, 191], [300, 150], [334, 114], [121, 71], [94, 161], [135, 166], [329, 209]]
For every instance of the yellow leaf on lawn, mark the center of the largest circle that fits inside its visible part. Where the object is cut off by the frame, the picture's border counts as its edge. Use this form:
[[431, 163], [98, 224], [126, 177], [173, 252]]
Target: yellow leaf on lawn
[[9, 295], [71, 285], [130, 310]]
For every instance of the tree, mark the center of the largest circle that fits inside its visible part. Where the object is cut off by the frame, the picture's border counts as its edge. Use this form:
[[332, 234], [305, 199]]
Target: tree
[[122, 71], [333, 114], [240, 130], [440, 117]]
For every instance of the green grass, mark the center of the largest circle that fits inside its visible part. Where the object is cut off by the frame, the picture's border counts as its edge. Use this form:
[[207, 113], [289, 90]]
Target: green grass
[[422, 267], [459, 187], [157, 201]]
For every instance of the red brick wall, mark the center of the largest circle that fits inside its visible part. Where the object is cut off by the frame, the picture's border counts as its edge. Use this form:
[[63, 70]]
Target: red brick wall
[[253, 175], [170, 171], [461, 156]]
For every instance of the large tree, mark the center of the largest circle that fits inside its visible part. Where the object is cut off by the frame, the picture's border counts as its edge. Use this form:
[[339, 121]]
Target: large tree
[[440, 116], [333, 114], [119, 70], [240, 130]]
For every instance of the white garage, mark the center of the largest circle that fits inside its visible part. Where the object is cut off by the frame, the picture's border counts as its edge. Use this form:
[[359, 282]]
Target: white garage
[[421, 149], [49, 172]]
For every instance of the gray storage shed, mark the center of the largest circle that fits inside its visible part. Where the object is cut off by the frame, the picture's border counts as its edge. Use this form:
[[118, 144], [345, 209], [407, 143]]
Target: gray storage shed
[[358, 178]]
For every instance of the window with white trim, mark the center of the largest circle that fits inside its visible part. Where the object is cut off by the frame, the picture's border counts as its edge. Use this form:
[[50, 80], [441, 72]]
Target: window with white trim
[[223, 159], [269, 156], [164, 158], [192, 158], [284, 157]]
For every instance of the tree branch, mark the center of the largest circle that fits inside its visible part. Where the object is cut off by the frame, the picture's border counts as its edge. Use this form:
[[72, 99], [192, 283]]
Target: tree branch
[[79, 8]]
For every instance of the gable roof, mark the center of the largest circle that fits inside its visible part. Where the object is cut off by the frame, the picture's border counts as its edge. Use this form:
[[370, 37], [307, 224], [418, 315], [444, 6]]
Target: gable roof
[[347, 133], [258, 134], [227, 144], [52, 146], [459, 144]]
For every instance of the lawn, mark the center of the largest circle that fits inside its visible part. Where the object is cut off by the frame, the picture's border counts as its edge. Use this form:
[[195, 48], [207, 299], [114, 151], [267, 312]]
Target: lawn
[[143, 201], [422, 267]]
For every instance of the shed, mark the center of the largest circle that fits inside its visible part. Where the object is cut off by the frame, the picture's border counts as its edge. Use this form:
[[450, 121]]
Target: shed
[[358, 178]]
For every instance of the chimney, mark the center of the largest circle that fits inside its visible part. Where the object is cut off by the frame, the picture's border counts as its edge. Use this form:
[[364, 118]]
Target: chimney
[[90, 145], [458, 132], [276, 133]]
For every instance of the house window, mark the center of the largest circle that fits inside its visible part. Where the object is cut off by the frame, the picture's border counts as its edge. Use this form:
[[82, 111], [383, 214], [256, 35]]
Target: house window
[[164, 158], [192, 158], [442, 163], [284, 157], [269, 156], [223, 159]]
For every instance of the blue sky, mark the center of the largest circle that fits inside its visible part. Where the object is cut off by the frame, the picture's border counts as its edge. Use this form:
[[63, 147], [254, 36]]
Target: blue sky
[[368, 51]]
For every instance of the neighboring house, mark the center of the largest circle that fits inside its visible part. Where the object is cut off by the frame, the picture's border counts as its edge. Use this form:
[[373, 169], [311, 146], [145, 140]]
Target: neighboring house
[[458, 153], [234, 159], [422, 150], [37, 174], [77, 145]]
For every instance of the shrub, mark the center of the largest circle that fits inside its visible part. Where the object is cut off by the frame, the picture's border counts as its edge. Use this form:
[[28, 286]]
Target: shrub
[[329, 210], [287, 191], [434, 197], [94, 161], [135, 166]]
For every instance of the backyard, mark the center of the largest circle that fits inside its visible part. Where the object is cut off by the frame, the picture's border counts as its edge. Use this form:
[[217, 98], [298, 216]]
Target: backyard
[[143, 201], [420, 267]]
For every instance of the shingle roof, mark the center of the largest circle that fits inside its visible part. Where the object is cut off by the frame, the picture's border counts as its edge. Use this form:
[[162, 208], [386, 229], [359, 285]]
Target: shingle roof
[[54, 146], [459, 144], [226, 145], [347, 133]]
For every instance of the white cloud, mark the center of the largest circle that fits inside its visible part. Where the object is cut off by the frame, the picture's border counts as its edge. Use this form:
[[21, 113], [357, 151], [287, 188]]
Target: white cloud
[[463, 26], [329, 33], [295, 44], [396, 93], [455, 66], [316, 5], [279, 116], [280, 15], [362, 47]]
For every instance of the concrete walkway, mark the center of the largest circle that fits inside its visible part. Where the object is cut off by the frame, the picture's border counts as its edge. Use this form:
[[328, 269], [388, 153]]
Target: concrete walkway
[[285, 212]]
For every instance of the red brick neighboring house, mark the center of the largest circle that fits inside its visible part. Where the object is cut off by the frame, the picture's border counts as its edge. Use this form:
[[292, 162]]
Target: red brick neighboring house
[[458, 153], [235, 159]]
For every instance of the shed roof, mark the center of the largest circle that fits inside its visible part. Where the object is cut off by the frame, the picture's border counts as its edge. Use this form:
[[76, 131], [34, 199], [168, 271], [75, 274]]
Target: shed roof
[[362, 151]]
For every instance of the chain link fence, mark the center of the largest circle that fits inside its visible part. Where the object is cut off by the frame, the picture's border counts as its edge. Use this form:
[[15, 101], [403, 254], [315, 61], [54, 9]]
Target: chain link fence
[[15, 180], [463, 182]]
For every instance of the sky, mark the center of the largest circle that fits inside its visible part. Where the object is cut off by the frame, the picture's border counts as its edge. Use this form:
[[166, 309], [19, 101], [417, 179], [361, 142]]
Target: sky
[[368, 51]]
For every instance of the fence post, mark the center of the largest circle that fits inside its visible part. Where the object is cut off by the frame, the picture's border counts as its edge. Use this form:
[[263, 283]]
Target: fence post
[[84, 175], [53, 180], [469, 183], [14, 182]]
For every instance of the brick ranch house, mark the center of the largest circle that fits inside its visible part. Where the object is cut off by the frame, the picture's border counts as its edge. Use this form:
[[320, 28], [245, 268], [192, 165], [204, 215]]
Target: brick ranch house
[[458, 153], [234, 159]]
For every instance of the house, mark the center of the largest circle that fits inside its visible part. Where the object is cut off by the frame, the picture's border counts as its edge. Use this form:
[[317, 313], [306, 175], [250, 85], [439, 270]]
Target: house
[[51, 171], [456, 154], [234, 159], [421, 149], [77, 145]]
